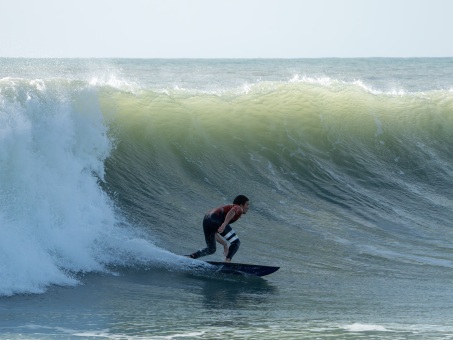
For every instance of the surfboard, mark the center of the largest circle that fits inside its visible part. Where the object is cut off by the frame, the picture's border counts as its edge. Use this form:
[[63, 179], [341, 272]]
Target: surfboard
[[243, 268]]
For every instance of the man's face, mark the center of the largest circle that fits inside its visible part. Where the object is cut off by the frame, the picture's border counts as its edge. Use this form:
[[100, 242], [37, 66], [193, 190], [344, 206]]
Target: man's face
[[245, 207]]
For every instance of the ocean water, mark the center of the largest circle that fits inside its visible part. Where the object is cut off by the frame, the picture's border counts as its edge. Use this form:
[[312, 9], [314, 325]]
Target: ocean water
[[108, 166]]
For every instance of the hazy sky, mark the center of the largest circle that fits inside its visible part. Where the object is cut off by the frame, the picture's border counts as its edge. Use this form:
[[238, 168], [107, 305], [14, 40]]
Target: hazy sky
[[226, 28]]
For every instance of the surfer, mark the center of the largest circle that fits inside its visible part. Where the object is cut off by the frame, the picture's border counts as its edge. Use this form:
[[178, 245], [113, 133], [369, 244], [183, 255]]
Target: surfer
[[217, 221]]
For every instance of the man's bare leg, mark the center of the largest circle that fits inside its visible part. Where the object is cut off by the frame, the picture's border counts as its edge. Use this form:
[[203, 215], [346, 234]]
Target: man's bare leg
[[224, 243]]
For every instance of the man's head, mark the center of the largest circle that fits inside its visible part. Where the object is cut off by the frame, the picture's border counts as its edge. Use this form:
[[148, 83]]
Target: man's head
[[243, 202]]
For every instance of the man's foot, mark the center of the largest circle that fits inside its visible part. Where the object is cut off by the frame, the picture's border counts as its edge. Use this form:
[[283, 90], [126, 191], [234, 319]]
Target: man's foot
[[190, 256], [227, 260]]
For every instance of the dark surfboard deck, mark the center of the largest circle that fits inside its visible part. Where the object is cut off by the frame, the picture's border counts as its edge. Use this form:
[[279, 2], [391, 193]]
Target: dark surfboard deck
[[242, 268]]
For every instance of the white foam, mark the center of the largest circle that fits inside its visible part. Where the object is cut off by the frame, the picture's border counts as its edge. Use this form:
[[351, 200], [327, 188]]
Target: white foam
[[359, 327], [54, 217]]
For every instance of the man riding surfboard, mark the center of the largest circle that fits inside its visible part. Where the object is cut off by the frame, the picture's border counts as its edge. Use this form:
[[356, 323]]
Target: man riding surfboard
[[217, 222]]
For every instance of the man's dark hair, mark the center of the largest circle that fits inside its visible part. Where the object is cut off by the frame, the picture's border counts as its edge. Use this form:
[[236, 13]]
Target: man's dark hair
[[241, 199]]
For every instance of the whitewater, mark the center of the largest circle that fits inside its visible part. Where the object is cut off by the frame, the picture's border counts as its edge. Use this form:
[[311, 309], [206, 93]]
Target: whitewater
[[107, 167]]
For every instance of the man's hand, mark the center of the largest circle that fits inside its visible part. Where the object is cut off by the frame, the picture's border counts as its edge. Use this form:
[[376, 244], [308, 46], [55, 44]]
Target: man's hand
[[227, 220], [221, 228]]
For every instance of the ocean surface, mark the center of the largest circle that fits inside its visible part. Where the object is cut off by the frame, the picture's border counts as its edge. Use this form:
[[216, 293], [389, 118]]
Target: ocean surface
[[107, 167]]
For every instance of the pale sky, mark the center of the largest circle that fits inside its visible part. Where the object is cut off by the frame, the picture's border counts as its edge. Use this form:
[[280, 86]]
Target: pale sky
[[226, 28]]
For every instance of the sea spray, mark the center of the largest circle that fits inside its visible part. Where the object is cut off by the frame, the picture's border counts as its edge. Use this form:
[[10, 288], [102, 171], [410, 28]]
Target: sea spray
[[55, 219]]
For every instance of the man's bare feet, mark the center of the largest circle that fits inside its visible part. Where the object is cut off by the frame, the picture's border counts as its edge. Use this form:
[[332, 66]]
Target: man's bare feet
[[227, 260]]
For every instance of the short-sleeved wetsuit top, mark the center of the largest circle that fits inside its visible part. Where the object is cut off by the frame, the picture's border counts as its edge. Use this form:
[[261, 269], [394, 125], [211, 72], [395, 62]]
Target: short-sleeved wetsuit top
[[218, 214]]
